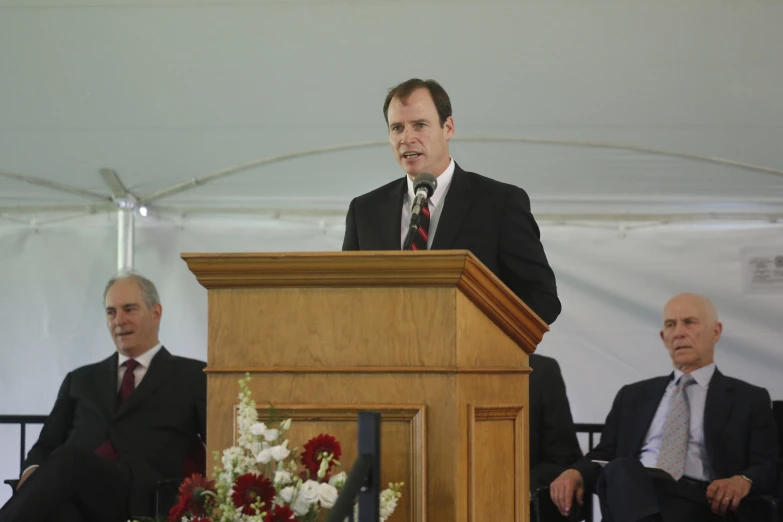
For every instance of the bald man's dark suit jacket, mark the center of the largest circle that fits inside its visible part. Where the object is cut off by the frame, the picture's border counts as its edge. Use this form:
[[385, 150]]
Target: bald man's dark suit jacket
[[487, 217], [740, 432], [152, 431]]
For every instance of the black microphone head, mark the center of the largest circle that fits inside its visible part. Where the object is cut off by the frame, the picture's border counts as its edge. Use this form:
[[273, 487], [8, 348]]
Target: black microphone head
[[427, 181]]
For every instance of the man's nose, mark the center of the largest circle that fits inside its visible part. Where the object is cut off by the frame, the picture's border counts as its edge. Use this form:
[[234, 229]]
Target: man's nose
[[405, 136]]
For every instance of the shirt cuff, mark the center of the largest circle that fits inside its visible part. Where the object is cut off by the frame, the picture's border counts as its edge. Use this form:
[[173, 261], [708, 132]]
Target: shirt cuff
[[28, 468]]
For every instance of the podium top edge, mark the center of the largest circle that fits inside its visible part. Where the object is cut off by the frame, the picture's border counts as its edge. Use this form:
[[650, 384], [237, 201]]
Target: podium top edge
[[369, 254], [459, 269]]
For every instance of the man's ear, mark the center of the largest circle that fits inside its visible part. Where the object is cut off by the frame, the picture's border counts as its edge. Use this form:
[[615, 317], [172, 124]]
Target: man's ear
[[717, 331], [448, 126]]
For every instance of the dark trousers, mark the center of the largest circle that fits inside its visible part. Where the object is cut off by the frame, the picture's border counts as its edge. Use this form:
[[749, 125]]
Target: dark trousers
[[629, 492], [74, 485]]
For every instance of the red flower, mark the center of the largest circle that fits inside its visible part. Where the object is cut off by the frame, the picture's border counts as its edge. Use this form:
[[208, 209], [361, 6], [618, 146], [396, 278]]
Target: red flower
[[195, 482], [282, 514], [180, 509], [316, 449], [249, 489], [194, 487]]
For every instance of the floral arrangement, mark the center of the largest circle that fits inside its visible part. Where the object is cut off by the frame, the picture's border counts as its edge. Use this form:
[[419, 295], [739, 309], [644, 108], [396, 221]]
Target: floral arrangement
[[263, 480]]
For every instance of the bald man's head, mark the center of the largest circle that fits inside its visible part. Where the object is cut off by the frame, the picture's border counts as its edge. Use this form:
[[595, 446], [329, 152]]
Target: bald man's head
[[690, 331]]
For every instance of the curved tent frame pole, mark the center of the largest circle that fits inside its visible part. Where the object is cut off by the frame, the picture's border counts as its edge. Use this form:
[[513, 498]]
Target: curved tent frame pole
[[125, 202], [214, 176]]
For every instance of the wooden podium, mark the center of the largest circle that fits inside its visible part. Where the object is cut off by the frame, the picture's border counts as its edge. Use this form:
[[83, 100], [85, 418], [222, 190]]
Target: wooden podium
[[432, 340]]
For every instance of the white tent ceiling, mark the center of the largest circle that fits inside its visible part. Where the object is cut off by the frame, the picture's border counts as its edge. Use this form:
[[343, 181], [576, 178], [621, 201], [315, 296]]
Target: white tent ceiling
[[167, 91]]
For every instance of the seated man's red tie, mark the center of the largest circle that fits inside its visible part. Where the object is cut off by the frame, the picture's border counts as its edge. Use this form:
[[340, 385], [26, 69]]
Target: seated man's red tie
[[107, 449]]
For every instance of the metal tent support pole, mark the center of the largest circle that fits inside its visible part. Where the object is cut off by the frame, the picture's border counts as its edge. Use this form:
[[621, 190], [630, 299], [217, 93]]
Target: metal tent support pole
[[125, 238]]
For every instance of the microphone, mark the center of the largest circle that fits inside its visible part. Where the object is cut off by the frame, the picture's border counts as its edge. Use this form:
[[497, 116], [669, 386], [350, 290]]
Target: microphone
[[424, 186]]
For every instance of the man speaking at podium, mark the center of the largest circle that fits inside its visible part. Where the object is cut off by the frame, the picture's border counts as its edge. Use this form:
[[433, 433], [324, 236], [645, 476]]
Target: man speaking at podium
[[465, 211]]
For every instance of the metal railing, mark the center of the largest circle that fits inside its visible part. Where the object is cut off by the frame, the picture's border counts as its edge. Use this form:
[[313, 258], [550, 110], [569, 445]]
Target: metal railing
[[23, 421], [363, 482], [591, 429]]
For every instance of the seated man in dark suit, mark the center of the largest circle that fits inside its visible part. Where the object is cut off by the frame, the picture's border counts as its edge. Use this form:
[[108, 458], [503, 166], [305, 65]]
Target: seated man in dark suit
[[553, 443], [467, 211], [117, 426], [686, 447]]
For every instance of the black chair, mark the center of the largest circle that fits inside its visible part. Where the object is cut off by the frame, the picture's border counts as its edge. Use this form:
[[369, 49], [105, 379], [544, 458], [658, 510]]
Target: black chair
[[542, 509], [767, 508], [165, 492], [758, 508], [23, 421]]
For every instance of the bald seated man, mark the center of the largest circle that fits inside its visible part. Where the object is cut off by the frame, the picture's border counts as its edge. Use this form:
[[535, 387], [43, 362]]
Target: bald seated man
[[688, 446]]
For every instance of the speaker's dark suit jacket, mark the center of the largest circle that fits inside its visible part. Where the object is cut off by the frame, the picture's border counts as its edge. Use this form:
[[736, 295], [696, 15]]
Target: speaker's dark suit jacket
[[553, 443], [152, 431], [740, 433], [487, 217]]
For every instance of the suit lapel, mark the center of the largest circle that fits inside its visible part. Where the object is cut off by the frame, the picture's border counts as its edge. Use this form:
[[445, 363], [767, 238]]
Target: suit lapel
[[159, 371], [456, 207], [717, 408], [647, 408], [390, 217], [106, 382]]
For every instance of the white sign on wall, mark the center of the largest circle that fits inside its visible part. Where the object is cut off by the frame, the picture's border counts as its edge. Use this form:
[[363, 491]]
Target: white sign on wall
[[762, 270]]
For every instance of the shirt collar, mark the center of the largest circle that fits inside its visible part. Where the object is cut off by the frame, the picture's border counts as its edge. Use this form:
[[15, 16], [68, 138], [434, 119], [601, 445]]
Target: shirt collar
[[144, 359], [702, 376], [444, 180]]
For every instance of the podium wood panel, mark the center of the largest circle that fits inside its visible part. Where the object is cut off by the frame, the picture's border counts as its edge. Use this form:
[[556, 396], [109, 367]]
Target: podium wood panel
[[436, 357]]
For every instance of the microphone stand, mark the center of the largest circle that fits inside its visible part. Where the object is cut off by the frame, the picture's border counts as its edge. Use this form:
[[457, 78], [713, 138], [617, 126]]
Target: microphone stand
[[413, 227]]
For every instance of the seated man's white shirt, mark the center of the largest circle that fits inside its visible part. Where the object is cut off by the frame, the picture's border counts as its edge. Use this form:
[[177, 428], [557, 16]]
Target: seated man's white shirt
[[696, 461]]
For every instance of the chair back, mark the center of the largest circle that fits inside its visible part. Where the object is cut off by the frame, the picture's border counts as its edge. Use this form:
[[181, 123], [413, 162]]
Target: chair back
[[777, 409]]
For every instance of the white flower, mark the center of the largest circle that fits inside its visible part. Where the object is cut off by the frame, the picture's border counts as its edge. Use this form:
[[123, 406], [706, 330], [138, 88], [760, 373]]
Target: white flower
[[233, 459], [308, 495], [247, 417], [287, 494], [327, 495], [280, 452], [388, 499], [258, 428], [309, 492], [286, 425], [265, 456], [300, 507], [255, 448], [271, 435], [282, 478], [338, 480]]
